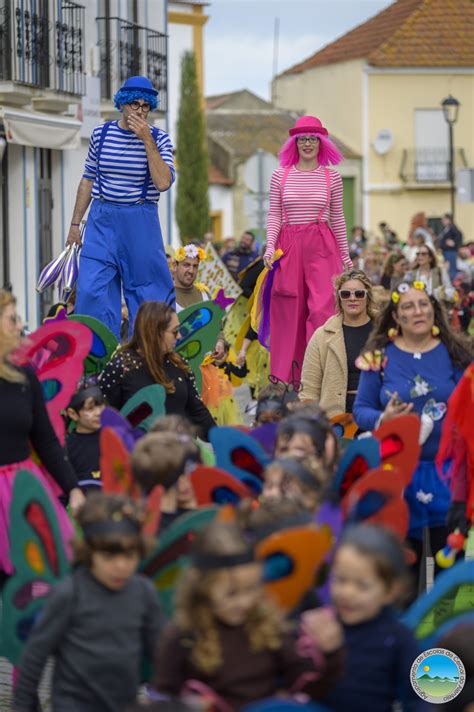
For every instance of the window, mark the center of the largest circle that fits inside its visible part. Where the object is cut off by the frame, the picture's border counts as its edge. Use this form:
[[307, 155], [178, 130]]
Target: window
[[431, 146]]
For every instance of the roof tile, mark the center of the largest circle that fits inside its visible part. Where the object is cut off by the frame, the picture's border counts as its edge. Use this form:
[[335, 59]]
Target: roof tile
[[434, 33]]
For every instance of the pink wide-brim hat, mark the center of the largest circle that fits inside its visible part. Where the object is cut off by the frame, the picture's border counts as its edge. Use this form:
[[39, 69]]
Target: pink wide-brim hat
[[308, 124]]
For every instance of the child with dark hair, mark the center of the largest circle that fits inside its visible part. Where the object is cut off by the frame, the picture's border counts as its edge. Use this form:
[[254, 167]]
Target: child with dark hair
[[100, 621], [228, 643], [307, 432], [368, 577], [302, 479], [167, 459], [83, 444]]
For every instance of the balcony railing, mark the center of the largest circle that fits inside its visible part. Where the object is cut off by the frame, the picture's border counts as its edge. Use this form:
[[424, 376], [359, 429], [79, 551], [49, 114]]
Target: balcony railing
[[42, 44], [429, 165], [127, 50]]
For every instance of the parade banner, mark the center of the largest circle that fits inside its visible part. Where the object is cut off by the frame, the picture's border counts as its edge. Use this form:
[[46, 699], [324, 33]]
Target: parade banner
[[215, 275]]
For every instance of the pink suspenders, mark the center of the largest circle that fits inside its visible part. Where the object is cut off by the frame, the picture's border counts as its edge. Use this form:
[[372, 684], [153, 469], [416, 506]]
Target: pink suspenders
[[327, 175]]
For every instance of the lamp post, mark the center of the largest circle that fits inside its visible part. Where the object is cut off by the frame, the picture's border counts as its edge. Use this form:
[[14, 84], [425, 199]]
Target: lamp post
[[450, 110]]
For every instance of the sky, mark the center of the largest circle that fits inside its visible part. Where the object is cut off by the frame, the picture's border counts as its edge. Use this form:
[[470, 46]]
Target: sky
[[239, 37]]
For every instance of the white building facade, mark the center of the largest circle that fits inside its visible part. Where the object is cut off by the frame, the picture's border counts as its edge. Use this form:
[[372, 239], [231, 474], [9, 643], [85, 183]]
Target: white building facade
[[61, 62]]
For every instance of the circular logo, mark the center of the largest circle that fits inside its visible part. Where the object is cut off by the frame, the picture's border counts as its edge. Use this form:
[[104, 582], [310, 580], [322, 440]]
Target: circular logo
[[437, 675]]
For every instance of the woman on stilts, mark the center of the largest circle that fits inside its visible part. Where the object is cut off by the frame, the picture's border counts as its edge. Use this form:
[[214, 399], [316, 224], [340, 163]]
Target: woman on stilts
[[306, 222]]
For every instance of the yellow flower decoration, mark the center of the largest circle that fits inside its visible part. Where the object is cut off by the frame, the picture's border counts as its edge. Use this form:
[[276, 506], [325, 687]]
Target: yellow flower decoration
[[395, 297], [190, 252], [371, 361], [419, 285]]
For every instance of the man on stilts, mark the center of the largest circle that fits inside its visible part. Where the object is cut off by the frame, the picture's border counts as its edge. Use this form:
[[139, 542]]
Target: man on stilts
[[128, 165]]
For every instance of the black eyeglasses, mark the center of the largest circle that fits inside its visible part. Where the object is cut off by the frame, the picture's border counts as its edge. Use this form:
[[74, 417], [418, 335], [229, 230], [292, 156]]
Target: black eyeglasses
[[307, 139], [136, 106], [426, 254], [357, 293]]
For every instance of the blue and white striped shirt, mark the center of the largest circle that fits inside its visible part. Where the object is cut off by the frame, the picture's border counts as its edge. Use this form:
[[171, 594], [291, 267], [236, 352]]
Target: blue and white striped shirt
[[123, 163]]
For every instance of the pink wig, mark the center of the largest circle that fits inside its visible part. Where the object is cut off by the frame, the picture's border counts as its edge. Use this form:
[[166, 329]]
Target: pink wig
[[327, 154]]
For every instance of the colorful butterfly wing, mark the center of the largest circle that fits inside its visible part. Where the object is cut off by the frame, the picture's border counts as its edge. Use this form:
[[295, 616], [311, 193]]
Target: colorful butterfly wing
[[212, 485], [291, 559], [38, 557], [171, 556], [111, 418], [241, 455], [143, 408], [56, 351], [450, 602], [153, 511], [103, 345], [344, 426], [377, 498], [200, 325], [115, 466], [399, 444], [361, 456]]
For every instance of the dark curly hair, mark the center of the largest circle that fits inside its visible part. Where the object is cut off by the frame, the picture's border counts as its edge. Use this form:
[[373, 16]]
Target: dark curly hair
[[458, 346]]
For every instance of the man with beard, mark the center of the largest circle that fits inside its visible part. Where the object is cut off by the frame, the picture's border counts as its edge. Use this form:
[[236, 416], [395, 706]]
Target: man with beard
[[238, 259], [186, 266]]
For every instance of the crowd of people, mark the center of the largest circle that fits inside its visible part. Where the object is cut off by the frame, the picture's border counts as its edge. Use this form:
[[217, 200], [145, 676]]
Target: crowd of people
[[286, 592]]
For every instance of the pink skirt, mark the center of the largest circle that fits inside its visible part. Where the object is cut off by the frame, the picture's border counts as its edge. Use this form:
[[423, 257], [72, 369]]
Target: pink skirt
[[7, 479]]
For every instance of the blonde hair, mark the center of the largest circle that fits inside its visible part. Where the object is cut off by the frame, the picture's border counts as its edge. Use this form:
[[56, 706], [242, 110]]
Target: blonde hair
[[372, 310], [194, 615], [8, 344], [158, 457]]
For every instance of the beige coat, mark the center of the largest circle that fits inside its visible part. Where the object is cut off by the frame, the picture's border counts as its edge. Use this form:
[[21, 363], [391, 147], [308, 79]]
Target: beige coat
[[324, 374]]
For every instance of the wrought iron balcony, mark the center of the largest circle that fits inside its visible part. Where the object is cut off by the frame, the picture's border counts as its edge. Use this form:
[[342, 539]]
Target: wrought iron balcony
[[429, 165], [42, 44], [127, 50]]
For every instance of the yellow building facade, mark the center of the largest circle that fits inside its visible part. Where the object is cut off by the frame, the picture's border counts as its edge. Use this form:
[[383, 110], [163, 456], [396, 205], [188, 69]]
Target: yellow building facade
[[380, 90]]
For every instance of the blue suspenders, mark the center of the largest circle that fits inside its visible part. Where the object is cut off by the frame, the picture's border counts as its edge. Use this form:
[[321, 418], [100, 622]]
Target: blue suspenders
[[103, 134]]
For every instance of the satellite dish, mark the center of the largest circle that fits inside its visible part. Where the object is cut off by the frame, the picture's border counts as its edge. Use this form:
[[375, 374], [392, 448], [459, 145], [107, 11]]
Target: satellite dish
[[383, 142]]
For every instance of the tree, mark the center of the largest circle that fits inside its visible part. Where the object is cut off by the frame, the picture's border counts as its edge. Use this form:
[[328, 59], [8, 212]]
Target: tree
[[192, 201]]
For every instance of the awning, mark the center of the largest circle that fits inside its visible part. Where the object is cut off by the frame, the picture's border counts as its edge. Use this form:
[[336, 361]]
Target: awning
[[30, 128]]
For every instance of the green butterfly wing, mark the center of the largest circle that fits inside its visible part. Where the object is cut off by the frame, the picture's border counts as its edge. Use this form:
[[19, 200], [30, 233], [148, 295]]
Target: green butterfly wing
[[143, 408], [171, 556], [200, 325], [38, 557], [103, 344]]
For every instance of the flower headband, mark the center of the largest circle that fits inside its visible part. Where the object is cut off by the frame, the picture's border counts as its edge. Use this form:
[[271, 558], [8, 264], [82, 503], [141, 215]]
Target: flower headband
[[190, 252], [404, 287]]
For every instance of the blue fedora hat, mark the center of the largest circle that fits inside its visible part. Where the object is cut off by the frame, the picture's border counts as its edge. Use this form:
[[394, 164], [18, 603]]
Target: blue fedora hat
[[139, 84]]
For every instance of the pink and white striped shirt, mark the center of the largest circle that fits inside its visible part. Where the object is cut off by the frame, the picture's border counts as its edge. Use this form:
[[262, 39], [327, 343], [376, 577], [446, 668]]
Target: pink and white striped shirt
[[304, 196]]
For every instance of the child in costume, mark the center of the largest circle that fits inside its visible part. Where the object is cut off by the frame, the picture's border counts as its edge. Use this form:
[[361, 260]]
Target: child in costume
[[301, 479], [307, 432], [220, 374], [99, 621], [167, 459], [83, 444], [367, 578], [227, 643]]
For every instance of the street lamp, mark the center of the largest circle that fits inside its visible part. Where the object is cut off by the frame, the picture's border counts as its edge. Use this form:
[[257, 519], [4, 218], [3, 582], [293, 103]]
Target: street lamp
[[450, 110]]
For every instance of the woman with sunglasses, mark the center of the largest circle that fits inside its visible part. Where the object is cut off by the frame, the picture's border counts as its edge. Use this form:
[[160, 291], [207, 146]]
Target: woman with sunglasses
[[307, 223], [148, 358], [330, 376], [426, 269]]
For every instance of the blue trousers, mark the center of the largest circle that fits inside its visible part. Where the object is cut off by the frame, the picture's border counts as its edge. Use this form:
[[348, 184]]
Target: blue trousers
[[123, 249], [451, 258]]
